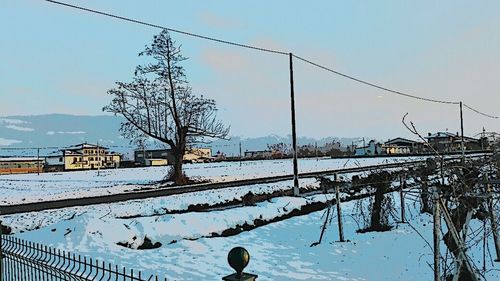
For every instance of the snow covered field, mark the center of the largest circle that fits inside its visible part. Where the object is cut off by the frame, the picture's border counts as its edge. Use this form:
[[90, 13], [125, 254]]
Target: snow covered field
[[279, 251], [189, 251], [15, 189]]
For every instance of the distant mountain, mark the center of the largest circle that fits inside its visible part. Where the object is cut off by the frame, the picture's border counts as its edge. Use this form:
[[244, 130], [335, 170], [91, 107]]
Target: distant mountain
[[22, 135], [57, 130]]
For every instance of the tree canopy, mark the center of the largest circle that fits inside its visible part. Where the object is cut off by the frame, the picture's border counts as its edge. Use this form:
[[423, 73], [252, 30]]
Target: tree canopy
[[159, 103]]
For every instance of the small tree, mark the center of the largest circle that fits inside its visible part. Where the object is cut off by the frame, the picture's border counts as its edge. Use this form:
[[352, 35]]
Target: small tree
[[159, 104]]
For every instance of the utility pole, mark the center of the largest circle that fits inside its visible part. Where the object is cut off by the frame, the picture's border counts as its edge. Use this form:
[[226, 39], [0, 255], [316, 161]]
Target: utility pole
[[294, 133], [482, 140], [462, 133], [316, 150], [98, 159], [38, 161], [240, 153]]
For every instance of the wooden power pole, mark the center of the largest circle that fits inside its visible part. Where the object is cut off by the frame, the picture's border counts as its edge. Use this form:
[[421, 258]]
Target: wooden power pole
[[296, 191], [37, 162], [462, 134]]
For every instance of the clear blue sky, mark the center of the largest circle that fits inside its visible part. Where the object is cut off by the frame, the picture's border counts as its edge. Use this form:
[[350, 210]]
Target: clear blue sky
[[59, 60]]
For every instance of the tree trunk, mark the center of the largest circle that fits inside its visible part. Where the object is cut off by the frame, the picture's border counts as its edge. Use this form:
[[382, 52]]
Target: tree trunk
[[425, 197], [178, 176], [379, 212], [376, 216]]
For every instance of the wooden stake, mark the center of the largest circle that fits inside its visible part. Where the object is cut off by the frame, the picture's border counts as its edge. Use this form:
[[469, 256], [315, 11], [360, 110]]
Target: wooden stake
[[401, 195], [436, 236], [324, 225], [458, 241], [339, 209], [465, 227]]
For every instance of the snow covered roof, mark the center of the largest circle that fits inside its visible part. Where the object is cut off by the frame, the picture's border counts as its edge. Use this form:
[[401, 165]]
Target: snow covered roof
[[440, 135], [449, 135], [71, 152], [400, 140], [84, 145]]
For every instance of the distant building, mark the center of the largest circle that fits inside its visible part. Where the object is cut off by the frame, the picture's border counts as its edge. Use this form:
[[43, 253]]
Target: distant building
[[198, 155], [401, 146], [259, 154], [143, 157], [373, 148], [54, 162], [156, 162], [157, 157], [20, 165], [83, 156], [448, 142]]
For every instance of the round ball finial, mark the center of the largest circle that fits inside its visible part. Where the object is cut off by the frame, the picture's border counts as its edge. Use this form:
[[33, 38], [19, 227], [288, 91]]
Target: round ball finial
[[238, 258]]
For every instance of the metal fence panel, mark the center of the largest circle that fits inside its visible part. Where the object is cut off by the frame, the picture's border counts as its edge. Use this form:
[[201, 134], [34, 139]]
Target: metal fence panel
[[24, 260]]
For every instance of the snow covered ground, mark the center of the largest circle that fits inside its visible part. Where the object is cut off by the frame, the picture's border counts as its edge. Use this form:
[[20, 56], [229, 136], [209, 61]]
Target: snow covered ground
[[279, 251], [15, 189]]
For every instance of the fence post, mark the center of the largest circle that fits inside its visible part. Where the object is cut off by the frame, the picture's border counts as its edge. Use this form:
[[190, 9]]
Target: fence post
[[436, 234], [339, 208], [402, 181]]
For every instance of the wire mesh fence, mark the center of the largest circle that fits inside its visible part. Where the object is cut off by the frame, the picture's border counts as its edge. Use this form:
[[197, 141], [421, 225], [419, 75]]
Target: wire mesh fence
[[24, 260]]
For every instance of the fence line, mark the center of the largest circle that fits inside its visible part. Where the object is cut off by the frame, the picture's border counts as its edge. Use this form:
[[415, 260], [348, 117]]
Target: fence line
[[25, 260]]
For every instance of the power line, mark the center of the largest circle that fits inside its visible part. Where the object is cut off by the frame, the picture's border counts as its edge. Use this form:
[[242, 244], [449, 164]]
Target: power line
[[29, 148], [392, 91], [479, 112], [269, 51], [169, 29], [373, 85], [60, 147]]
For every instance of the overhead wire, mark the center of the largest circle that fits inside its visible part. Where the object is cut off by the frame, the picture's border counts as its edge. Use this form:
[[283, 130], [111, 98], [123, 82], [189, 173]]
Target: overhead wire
[[479, 112], [262, 49], [169, 29], [372, 84]]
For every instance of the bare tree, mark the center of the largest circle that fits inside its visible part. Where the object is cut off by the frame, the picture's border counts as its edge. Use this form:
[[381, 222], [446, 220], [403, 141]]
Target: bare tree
[[159, 104]]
